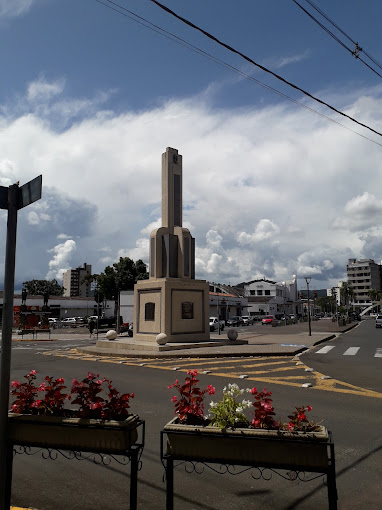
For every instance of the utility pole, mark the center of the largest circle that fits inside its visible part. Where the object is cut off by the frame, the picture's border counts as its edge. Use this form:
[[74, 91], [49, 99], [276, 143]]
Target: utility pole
[[308, 280], [12, 199]]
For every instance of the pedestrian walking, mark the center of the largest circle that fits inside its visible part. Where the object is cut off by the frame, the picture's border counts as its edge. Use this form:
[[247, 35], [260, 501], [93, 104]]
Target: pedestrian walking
[[91, 328]]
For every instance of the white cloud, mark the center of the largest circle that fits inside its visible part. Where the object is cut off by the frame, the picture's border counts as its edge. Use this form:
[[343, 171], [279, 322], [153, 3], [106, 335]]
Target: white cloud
[[63, 236], [361, 213], [43, 90], [61, 260], [10, 8], [293, 59], [267, 191], [265, 230]]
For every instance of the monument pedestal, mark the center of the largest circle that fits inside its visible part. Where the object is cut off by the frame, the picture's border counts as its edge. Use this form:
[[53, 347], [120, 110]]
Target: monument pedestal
[[176, 307]]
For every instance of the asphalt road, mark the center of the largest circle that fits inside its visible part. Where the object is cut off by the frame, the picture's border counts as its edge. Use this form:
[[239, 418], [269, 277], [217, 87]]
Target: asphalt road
[[354, 357], [354, 418]]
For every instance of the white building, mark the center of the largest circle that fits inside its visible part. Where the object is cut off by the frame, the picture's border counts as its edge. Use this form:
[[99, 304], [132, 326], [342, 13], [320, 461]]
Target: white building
[[363, 275], [227, 301], [266, 297], [71, 281]]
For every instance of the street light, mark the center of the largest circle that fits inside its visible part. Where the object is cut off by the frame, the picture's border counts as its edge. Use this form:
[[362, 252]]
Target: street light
[[308, 280], [284, 299], [334, 292]]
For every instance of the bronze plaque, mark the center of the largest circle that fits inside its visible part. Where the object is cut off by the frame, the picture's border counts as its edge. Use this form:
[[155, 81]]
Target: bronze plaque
[[187, 310], [149, 311]]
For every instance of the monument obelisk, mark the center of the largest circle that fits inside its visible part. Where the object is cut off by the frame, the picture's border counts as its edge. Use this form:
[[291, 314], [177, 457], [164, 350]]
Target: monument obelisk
[[171, 301]]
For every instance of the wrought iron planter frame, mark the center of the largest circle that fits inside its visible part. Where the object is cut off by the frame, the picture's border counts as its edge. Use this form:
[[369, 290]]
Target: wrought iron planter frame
[[131, 456], [294, 471]]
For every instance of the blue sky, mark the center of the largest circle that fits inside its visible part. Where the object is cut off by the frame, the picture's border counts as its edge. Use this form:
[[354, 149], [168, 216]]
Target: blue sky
[[90, 99]]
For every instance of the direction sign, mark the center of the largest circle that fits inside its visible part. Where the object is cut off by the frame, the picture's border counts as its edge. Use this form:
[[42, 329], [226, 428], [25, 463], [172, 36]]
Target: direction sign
[[30, 192]]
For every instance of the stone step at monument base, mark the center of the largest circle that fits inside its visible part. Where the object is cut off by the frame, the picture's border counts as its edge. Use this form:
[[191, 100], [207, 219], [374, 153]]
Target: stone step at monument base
[[129, 344]]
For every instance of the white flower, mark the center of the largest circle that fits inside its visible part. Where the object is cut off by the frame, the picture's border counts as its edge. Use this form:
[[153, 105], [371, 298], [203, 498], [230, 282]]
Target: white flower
[[213, 404], [239, 409]]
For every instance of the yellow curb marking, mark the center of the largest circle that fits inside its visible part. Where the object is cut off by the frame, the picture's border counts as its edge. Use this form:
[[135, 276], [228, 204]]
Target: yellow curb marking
[[332, 385], [21, 508]]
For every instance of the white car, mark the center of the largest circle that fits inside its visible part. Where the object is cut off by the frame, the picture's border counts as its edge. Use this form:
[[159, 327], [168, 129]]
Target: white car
[[54, 322], [378, 321], [247, 320], [214, 324], [69, 321]]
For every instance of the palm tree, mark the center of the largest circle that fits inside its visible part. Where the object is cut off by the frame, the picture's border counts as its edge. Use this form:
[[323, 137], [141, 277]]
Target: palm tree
[[347, 292], [372, 293], [375, 295]]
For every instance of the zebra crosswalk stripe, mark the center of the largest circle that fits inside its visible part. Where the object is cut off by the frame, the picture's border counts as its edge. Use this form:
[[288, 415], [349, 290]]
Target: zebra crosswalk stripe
[[378, 354], [325, 350], [351, 351]]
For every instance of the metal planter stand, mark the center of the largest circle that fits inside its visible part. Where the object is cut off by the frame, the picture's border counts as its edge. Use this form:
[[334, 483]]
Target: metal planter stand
[[131, 456], [264, 470]]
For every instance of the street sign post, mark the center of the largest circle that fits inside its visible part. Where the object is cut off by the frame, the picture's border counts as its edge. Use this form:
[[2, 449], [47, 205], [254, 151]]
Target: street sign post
[[12, 199]]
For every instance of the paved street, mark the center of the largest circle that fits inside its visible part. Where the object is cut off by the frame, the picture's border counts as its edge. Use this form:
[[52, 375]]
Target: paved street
[[354, 357], [350, 411]]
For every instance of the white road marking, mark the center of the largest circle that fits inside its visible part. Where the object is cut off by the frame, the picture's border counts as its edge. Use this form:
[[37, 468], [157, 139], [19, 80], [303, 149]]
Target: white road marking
[[351, 351], [325, 350], [378, 353]]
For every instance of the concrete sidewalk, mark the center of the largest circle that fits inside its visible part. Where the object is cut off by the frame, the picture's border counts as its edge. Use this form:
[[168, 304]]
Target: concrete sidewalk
[[257, 341]]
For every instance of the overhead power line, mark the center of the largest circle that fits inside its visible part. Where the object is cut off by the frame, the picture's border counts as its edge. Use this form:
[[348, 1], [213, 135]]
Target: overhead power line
[[357, 48], [147, 24], [248, 59], [344, 33]]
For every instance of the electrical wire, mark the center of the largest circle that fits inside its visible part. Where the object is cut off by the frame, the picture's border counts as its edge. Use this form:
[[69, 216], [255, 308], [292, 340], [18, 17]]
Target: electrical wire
[[144, 22], [248, 59], [343, 32], [354, 52]]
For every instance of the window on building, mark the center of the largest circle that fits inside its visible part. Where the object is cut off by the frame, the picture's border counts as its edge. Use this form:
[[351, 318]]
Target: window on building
[[267, 292], [259, 292]]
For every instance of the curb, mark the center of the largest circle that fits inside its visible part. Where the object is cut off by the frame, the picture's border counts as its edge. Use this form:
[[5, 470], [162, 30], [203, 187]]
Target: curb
[[34, 339]]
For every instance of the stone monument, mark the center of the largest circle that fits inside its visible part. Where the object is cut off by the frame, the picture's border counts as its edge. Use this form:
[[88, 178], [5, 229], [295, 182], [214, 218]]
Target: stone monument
[[171, 302]]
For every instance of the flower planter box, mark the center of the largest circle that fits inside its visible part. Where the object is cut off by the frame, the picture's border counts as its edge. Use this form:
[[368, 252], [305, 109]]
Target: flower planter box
[[73, 433], [257, 447]]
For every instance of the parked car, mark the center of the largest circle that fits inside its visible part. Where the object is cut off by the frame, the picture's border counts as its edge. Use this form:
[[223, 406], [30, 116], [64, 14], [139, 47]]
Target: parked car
[[247, 320], [54, 322], [124, 327], [81, 321], [69, 322], [378, 321], [268, 319], [214, 324], [234, 321], [292, 316]]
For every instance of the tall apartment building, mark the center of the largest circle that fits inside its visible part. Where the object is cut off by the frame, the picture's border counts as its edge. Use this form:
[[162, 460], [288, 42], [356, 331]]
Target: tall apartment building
[[364, 275], [71, 281]]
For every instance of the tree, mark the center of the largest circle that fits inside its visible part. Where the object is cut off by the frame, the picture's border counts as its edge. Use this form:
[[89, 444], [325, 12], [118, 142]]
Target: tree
[[122, 275], [347, 292], [375, 295], [325, 303], [41, 287]]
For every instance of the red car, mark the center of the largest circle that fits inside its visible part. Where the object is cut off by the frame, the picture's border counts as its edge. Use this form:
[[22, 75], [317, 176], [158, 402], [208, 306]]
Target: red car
[[268, 319]]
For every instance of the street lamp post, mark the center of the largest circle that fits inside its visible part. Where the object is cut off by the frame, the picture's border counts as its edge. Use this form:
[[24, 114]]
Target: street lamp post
[[217, 297], [308, 280], [334, 290]]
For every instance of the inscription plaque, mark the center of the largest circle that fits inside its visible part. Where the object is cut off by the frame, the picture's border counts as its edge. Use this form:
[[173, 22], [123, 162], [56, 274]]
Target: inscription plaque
[[187, 310], [149, 311]]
